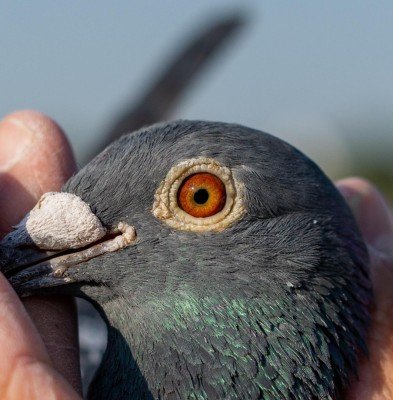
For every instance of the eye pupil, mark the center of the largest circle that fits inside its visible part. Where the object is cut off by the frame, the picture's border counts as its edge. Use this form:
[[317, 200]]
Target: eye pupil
[[201, 196]]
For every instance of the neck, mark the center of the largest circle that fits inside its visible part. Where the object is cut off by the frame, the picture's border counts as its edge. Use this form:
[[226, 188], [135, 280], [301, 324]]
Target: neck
[[214, 348]]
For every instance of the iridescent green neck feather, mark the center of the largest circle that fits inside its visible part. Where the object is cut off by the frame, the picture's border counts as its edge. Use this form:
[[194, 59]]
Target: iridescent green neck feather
[[187, 347]]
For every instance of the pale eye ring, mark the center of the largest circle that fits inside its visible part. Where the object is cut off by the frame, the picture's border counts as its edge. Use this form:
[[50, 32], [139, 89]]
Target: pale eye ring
[[199, 195]]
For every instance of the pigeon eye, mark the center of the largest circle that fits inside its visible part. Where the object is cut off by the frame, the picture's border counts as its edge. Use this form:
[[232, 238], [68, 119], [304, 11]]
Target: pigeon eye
[[202, 195], [199, 195]]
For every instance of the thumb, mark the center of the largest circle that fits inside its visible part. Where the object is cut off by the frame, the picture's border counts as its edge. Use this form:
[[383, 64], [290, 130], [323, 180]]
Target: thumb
[[375, 220], [35, 157], [372, 213]]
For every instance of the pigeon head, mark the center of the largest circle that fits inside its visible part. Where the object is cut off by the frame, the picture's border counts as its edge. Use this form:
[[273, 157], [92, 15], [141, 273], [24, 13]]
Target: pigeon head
[[223, 260]]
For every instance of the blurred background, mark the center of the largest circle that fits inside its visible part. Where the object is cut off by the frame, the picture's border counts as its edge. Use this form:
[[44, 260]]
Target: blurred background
[[317, 74]]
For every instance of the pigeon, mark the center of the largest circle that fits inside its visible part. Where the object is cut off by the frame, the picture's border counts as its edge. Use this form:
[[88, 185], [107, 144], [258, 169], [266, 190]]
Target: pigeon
[[224, 262]]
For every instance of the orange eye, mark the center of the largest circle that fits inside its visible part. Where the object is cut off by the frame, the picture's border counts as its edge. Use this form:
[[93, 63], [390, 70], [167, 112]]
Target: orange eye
[[202, 195]]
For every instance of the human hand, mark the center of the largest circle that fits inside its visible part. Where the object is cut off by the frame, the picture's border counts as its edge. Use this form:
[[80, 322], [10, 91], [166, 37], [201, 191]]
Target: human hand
[[39, 348], [375, 221]]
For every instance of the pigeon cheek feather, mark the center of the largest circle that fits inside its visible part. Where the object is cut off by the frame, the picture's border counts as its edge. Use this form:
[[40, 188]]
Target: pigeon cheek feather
[[60, 232]]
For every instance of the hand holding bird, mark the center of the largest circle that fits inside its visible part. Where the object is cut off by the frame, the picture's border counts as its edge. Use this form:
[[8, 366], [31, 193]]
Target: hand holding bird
[[39, 347], [372, 215]]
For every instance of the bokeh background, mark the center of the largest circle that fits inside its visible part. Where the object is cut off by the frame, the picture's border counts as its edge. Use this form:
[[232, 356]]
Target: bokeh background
[[317, 74]]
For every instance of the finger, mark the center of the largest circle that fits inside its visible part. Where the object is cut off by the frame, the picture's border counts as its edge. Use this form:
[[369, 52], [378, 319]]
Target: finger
[[15, 333], [35, 157], [56, 321], [375, 222], [24, 363], [371, 212]]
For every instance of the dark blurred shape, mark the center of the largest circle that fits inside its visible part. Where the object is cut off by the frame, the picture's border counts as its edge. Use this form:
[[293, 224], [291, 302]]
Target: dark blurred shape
[[160, 98]]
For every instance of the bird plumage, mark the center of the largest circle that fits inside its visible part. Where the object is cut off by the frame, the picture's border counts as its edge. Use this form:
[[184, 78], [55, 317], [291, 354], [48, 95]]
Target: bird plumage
[[275, 306]]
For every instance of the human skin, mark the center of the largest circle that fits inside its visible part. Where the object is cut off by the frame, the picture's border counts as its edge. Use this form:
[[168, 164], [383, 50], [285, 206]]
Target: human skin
[[38, 336]]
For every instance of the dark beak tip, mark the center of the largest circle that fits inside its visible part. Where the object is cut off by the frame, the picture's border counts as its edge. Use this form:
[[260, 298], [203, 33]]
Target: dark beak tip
[[12, 257]]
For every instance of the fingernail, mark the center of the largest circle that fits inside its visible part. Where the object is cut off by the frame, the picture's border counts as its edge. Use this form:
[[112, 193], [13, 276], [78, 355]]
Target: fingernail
[[15, 142]]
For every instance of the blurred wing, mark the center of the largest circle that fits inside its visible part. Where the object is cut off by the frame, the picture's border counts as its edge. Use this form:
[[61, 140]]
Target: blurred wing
[[161, 97]]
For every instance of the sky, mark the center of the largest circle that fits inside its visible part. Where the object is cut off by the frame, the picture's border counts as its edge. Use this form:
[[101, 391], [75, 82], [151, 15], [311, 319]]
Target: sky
[[317, 74]]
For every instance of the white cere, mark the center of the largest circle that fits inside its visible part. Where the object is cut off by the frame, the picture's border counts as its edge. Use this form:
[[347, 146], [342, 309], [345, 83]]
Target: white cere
[[62, 221]]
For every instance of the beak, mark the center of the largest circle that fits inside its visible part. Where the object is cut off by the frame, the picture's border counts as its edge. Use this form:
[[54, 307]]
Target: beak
[[60, 233]]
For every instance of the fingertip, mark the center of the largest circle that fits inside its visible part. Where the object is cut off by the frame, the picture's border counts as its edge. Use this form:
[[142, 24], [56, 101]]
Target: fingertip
[[354, 189], [371, 211], [35, 157], [37, 133]]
